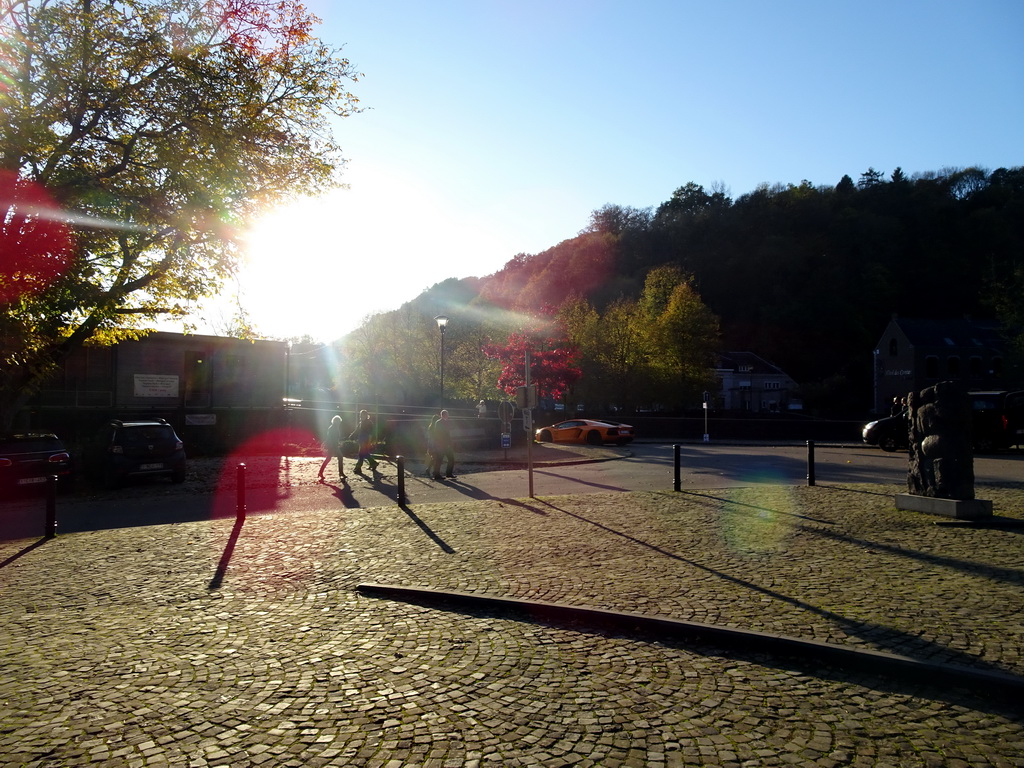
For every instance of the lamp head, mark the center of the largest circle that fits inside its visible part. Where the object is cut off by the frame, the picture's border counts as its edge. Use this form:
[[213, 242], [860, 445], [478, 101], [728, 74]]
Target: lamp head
[[442, 321]]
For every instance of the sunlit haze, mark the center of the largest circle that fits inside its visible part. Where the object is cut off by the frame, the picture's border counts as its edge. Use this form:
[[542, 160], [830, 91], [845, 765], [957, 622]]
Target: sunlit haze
[[496, 128]]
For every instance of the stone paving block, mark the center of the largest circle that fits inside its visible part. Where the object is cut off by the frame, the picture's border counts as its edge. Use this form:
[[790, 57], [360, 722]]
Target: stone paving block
[[281, 661]]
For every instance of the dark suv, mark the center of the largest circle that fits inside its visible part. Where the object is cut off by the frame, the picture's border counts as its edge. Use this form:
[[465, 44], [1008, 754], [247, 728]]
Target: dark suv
[[28, 459], [138, 448]]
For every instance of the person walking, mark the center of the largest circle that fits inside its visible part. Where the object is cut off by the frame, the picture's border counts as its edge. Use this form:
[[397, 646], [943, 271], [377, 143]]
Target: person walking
[[363, 435], [443, 446], [430, 448], [332, 447]]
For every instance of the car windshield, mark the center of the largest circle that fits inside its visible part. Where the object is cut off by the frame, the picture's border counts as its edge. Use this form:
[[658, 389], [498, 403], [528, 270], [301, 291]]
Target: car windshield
[[985, 403], [144, 435]]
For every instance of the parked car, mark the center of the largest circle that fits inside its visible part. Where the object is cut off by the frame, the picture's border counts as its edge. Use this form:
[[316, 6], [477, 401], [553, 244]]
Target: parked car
[[28, 459], [147, 447], [998, 419], [586, 431], [890, 434], [997, 423], [1013, 409]]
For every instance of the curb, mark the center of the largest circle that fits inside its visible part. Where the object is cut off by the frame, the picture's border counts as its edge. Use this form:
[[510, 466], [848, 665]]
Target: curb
[[877, 662]]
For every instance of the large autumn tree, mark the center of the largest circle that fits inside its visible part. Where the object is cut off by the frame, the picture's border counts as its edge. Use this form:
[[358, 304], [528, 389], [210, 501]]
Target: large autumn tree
[[135, 137]]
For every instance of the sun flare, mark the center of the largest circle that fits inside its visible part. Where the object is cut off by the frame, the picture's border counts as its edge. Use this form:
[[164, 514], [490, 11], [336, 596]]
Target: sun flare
[[320, 266]]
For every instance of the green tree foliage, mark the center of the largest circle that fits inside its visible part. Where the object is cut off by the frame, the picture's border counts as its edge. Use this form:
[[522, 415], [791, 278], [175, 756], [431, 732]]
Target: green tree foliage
[[808, 276], [611, 355], [395, 357], [660, 348], [803, 275], [684, 338], [157, 127]]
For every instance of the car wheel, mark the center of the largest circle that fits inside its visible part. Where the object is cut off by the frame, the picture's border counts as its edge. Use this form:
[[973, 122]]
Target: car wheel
[[178, 476], [545, 436], [594, 437], [888, 444], [111, 480]]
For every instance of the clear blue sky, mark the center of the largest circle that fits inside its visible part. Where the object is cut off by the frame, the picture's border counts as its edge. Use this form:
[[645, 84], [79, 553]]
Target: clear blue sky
[[496, 128]]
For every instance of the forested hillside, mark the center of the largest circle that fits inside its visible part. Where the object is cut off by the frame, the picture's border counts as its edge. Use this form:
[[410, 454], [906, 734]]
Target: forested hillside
[[805, 276]]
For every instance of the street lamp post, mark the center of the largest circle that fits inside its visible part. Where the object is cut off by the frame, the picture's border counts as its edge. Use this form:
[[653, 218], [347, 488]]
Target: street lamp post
[[288, 390], [442, 323]]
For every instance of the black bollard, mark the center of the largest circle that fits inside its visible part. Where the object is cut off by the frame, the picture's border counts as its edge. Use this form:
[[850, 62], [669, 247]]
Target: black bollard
[[400, 462], [810, 462], [679, 482], [240, 491], [51, 507]]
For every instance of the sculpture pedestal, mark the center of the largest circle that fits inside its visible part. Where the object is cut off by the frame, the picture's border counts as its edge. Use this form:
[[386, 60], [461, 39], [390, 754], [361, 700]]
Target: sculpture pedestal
[[960, 509]]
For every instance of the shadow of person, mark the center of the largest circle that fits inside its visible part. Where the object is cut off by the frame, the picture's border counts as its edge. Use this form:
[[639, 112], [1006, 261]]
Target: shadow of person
[[343, 493]]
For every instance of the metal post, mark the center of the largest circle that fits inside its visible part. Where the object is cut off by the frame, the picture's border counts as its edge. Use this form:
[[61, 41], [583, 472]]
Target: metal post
[[240, 498], [678, 482], [400, 461], [810, 462], [528, 417], [51, 507]]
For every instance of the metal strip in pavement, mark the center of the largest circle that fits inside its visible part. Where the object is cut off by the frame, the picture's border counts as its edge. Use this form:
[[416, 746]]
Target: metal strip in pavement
[[988, 681]]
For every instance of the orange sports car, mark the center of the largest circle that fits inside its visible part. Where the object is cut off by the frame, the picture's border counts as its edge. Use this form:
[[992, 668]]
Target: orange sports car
[[586, 431]]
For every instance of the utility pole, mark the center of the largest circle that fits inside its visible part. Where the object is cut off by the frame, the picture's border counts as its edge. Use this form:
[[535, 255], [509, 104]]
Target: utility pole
[[528, 424]]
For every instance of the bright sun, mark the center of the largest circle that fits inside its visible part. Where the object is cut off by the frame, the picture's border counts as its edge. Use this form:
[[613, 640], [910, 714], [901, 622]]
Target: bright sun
[[320, 266]]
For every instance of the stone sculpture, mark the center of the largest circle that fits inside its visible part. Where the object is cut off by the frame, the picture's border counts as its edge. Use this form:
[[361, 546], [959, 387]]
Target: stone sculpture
[[941, 456]]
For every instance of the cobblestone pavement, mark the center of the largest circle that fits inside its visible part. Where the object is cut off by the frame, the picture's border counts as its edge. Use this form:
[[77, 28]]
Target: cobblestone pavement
[[227, 643]]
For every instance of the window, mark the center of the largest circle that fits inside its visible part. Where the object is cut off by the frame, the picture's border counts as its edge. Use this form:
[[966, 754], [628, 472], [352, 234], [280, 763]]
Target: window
[[976, 369], [893, 348], [197, 379], [953, 366], [931, 367]]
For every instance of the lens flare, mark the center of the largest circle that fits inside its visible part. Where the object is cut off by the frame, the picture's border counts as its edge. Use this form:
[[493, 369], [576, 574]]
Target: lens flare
[[756, 520], [36, 246]]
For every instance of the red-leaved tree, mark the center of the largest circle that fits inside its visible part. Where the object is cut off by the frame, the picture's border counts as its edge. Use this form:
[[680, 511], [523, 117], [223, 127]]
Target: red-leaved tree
[[553, 365]]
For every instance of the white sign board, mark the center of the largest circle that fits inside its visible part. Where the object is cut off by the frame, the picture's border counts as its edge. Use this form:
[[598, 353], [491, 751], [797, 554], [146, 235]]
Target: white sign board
[[155, 385], [200, 419]]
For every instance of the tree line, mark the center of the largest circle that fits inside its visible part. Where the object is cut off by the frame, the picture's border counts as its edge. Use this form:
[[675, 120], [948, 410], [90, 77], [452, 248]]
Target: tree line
[[658, 348], [805, 276]]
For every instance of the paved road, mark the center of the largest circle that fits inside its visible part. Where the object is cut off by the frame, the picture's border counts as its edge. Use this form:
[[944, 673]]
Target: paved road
[[247, 643], [289, 483]]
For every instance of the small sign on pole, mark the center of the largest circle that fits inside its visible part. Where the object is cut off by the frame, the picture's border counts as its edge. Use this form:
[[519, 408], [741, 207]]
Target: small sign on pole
[[707, 399], [506, 440]]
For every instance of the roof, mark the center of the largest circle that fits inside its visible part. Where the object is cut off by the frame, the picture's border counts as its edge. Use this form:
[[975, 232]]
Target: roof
[[754, 364], [955, 332]]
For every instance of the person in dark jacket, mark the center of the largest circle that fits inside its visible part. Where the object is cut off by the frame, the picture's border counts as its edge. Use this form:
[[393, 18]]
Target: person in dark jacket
[[442, 446], [363, 435], [332, 447]]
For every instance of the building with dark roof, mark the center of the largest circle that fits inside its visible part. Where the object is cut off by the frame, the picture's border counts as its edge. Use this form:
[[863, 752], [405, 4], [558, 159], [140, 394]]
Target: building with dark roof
[[915, 353]]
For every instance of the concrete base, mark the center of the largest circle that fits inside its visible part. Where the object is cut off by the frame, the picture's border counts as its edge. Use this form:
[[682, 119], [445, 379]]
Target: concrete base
[[960, 509]]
